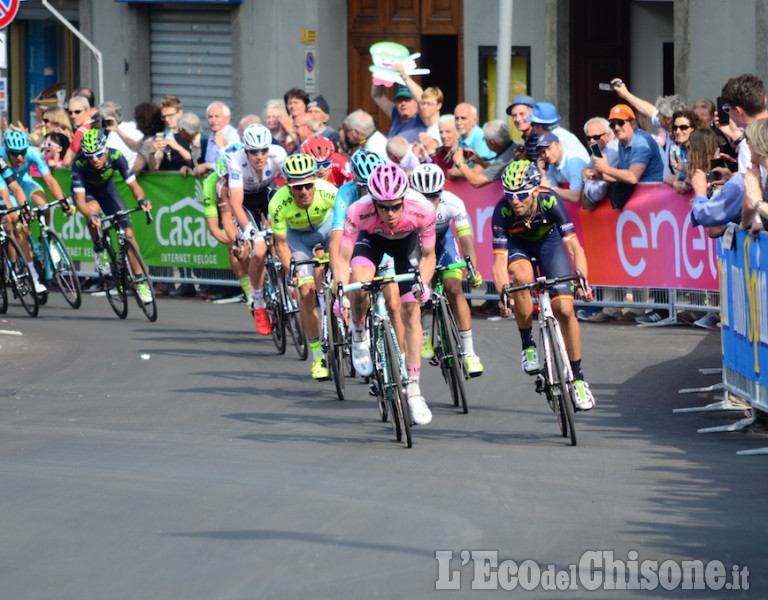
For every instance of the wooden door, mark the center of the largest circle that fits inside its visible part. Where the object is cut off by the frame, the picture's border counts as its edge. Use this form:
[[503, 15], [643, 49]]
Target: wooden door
[[406, 22], [599, 52]]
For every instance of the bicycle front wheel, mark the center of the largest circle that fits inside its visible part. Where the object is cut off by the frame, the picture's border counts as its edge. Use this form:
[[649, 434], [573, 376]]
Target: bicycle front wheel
[[293, 322], [114, 285], [395, 390], [3, 281], [63, 270], [562, 380], [453, 369], [275, 301], [334, 348], [148, 307], [21, 279]]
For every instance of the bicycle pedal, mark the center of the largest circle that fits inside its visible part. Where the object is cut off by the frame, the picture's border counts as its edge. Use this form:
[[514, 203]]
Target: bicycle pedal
[[434, 361], [540, 384]]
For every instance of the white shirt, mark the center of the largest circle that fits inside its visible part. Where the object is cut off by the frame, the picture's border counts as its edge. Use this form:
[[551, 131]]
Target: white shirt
[[114, 140]]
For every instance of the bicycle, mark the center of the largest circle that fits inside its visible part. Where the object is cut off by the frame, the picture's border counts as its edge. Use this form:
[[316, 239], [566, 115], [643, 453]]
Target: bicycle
[[334, 332], [446, 341], [14, 270], [555, 376], [123, 281], [388, 361], [282, 305], [55, 263]]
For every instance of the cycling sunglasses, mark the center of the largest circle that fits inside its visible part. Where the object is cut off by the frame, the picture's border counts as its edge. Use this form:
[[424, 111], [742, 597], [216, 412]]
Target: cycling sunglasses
[[390, 208], [519, 196], [258, 152], [302, 186], [16, 153]]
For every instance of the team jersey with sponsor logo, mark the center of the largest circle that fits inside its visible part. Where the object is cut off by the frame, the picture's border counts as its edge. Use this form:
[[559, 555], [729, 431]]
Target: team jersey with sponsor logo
[[285, 213], [85, 176], [550, 213], [418, 215]]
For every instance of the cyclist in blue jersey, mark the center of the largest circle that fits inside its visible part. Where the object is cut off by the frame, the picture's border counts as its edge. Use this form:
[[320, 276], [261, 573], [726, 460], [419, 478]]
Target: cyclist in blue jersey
[[94, 190], [531, 222], [20, 157]]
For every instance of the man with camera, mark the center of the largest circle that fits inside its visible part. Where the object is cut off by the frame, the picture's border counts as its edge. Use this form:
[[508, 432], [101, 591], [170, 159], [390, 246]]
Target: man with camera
[[121, 135]]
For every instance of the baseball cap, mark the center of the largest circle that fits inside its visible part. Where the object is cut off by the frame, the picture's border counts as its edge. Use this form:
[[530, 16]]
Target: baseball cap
[[621, 111], [402, 91], [521, 99], [547, 139], [320, 103]]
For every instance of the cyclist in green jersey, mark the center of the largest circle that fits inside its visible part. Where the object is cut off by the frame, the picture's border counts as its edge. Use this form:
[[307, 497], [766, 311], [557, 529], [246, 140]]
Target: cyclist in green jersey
[[302, 215]]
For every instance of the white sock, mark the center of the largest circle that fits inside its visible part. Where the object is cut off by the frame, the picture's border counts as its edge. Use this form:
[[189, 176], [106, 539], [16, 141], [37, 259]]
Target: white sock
[[467, 341], [258, 298]]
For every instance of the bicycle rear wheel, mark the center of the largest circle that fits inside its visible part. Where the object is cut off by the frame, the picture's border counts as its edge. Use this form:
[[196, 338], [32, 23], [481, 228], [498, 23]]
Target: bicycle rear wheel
[[395, 390], [453, 368], [273, 296], [114, 285], [63, 270], [560, 372], [334, 348], [21, 279], [133, 280]]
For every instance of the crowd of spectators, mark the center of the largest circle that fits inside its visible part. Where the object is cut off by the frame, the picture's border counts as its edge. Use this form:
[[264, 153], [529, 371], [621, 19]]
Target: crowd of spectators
[[716, 163]]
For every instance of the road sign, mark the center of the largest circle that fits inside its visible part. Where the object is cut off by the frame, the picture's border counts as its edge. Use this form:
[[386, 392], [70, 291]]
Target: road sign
[[8, 10], [310, 69]]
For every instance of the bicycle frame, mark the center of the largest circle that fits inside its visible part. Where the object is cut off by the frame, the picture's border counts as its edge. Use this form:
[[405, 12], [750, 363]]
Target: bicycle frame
[[555, 378], [388, 361]]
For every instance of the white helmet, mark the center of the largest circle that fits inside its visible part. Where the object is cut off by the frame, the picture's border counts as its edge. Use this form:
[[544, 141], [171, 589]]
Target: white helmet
[[256, 137], [428, 179]]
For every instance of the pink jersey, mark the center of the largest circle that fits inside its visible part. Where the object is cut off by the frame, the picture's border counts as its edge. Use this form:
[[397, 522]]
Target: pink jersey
[[418, 215]]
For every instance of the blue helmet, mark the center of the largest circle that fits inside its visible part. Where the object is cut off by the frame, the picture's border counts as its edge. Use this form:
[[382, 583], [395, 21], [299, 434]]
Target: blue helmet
[[363, 163], [16, 140]]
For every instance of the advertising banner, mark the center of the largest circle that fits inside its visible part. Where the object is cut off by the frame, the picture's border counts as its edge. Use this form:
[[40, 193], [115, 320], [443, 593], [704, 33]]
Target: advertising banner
[[744, 305]]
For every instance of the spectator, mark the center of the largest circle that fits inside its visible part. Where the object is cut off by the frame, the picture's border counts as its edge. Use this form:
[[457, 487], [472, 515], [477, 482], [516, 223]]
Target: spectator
[[640, 158], [54, 148], [150, 122], [304, 128], [470, 133], [660, 114], [121, 135], [404, 111], [744, 98], [399, 152], [56, 119], [521, 107], [544, 118], [180, 152], [222, 134], [279, 123], [296, 101], [496, 134], [598, 131], [360, 132], [80, 112], [559, 167], [754, 215], [442, 155], [321, 112], [684, 122], [88, 94]]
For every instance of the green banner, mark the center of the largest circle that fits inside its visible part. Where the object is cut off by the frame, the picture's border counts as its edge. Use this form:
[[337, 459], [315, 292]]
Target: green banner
[[178, 236]]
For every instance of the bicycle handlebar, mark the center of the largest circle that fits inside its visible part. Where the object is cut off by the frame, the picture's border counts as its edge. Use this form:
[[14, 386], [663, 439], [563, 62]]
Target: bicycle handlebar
[[376, 283], [542, 283], [110, 219], [64, 202]]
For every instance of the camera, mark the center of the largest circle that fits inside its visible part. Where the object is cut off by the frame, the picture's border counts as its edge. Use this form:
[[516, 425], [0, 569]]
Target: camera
[[712, 176], [722, 112], [607, 87], [595, 147]]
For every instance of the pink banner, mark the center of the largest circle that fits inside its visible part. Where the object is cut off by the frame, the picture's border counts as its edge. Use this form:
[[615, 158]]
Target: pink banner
[[650, 243]]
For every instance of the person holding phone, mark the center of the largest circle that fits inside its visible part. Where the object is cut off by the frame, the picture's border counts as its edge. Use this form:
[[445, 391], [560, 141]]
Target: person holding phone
[[602, 144], [496, 134]]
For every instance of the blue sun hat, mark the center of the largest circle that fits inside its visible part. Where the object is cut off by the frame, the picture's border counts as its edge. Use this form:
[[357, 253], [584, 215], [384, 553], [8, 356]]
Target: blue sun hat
[[544, 113]]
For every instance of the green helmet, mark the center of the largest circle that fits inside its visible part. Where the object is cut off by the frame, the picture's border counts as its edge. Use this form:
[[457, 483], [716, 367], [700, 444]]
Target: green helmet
[[93, 142], [520, 175], [299, 166]]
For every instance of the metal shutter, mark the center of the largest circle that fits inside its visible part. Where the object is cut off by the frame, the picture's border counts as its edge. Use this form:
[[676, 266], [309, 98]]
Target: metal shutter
[[191, 56]]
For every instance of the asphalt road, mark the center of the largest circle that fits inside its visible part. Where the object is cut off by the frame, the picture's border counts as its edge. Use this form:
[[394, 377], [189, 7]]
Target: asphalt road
[[184, 459]]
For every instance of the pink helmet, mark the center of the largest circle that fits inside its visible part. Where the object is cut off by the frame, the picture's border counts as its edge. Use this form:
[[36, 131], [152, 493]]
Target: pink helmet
[[387, 182]]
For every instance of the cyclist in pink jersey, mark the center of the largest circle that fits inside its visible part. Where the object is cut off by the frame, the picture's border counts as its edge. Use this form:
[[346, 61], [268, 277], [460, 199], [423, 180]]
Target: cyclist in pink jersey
[[400, 222]]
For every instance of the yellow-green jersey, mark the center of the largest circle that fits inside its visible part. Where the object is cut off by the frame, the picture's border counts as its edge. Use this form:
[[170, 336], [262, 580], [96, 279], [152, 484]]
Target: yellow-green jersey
[[285, 213]]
